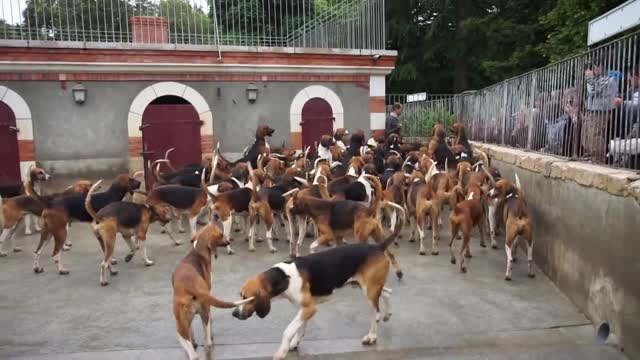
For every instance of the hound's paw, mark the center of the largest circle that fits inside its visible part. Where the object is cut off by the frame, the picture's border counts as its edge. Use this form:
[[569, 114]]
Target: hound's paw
[[494, 246], [66, 247], [531, 275], [279, 356], [38, 270], [369, 339], [178, 243], [252, 249], [483, 245], [113, 272], [3, 254], [231, 251], [163, 231], [63, 272], [463, 270], [453, 260], [181, 231], [507, 277], [435, 252], [412, 240], [17, 249], [468, 255], [68, 244], [386, 317], [273, 250], [28, 232], [104, 283], [114, 261], [423, 252], [127, 258], [149, 263]]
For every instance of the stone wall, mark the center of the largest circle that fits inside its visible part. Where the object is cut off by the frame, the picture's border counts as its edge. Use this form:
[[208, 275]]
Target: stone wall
[[587, 234]]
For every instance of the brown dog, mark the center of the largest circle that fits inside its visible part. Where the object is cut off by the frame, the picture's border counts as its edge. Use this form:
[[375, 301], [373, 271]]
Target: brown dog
[[128, 219], [464, 216], [58, 213], [192, 288], [517, 222], [15, 208]]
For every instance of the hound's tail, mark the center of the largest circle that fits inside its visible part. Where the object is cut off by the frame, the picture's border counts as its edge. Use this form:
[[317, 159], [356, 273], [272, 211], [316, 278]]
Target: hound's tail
[[211, 300], [520, 211], [392, 237], [87, 202], [203, 184], [156, 171]]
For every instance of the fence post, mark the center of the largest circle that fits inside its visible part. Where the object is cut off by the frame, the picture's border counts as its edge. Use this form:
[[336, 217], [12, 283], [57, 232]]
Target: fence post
[[532, 111], [580, 92], [504, 113]]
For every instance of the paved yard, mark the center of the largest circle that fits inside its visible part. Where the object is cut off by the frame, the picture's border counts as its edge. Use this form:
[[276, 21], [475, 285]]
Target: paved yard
[[437, 312]]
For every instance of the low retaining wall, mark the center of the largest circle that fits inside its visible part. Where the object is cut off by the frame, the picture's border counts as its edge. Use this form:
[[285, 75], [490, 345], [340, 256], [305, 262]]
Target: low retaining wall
[[587, 234]]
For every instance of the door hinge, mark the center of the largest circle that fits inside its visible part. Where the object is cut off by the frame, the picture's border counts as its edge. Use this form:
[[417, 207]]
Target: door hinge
[[143, 126], [15, 129]]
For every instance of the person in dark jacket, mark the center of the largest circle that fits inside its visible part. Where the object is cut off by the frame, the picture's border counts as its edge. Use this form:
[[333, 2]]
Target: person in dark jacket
[[392, 124]]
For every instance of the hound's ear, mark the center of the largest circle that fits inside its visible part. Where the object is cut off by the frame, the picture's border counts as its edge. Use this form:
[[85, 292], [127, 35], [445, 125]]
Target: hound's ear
[[263, 305]]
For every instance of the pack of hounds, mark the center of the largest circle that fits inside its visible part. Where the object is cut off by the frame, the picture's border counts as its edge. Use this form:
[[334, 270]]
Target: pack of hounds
[[346, 187]]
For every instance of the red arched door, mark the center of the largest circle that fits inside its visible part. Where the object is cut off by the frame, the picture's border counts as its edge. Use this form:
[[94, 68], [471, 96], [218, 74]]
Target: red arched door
[[170, 122], [317, 120], [10, 159]]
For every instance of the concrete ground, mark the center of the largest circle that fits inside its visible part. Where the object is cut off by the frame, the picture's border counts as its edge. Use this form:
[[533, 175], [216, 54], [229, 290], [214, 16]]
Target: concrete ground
[[438, 313]]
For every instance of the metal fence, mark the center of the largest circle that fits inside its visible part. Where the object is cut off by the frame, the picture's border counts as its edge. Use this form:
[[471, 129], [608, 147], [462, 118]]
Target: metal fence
[[346, 24], [421, 111], [586, 108]]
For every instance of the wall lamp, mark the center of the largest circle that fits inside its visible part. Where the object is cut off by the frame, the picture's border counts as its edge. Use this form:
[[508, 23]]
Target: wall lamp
[[252, 92], [79, 93]]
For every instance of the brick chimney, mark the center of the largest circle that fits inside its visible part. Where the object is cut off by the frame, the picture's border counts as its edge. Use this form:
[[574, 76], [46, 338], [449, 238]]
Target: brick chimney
[[150, 29]]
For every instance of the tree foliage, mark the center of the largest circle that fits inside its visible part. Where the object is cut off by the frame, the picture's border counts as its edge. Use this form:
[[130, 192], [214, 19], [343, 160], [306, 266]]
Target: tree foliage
[[447, 46]]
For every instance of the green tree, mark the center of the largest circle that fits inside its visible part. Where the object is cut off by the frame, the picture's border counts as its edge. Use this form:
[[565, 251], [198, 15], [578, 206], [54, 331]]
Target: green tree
[[187, 24], [567, 26]]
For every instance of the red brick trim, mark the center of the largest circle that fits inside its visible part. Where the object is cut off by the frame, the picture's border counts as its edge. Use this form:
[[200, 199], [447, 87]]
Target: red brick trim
[[26, 150], [188, 57], [206, 144], [296, 140], [180, 77], [378, 104], [135, 147]]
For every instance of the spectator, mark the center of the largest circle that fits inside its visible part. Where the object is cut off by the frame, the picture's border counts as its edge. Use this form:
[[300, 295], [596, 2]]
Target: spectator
[[392, 124], [631, 108], [601, 99]]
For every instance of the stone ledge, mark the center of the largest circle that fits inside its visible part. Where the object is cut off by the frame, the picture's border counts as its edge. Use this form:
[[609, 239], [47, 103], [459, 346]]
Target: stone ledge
[[617, 182]]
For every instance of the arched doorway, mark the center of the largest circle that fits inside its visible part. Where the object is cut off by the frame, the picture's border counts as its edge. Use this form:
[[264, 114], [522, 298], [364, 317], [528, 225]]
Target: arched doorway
[[170, 122], [317, 120], [301, 99], [10, 163], [174, 94]]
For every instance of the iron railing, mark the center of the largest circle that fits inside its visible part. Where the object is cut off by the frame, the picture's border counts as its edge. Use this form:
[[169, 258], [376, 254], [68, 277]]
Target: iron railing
[[344, 24], [421, 112], [586, 107]]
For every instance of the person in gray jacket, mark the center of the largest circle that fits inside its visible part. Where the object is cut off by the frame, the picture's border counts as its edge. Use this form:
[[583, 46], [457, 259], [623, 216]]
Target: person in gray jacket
[[601, 100]]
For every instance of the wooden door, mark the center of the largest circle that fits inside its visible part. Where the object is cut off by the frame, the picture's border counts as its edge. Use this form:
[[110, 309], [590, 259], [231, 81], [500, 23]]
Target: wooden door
[[166, 126], [9, 153], [317, 120]]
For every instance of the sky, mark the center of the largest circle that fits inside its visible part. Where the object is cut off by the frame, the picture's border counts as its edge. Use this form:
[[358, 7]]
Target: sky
[[12, 5]]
